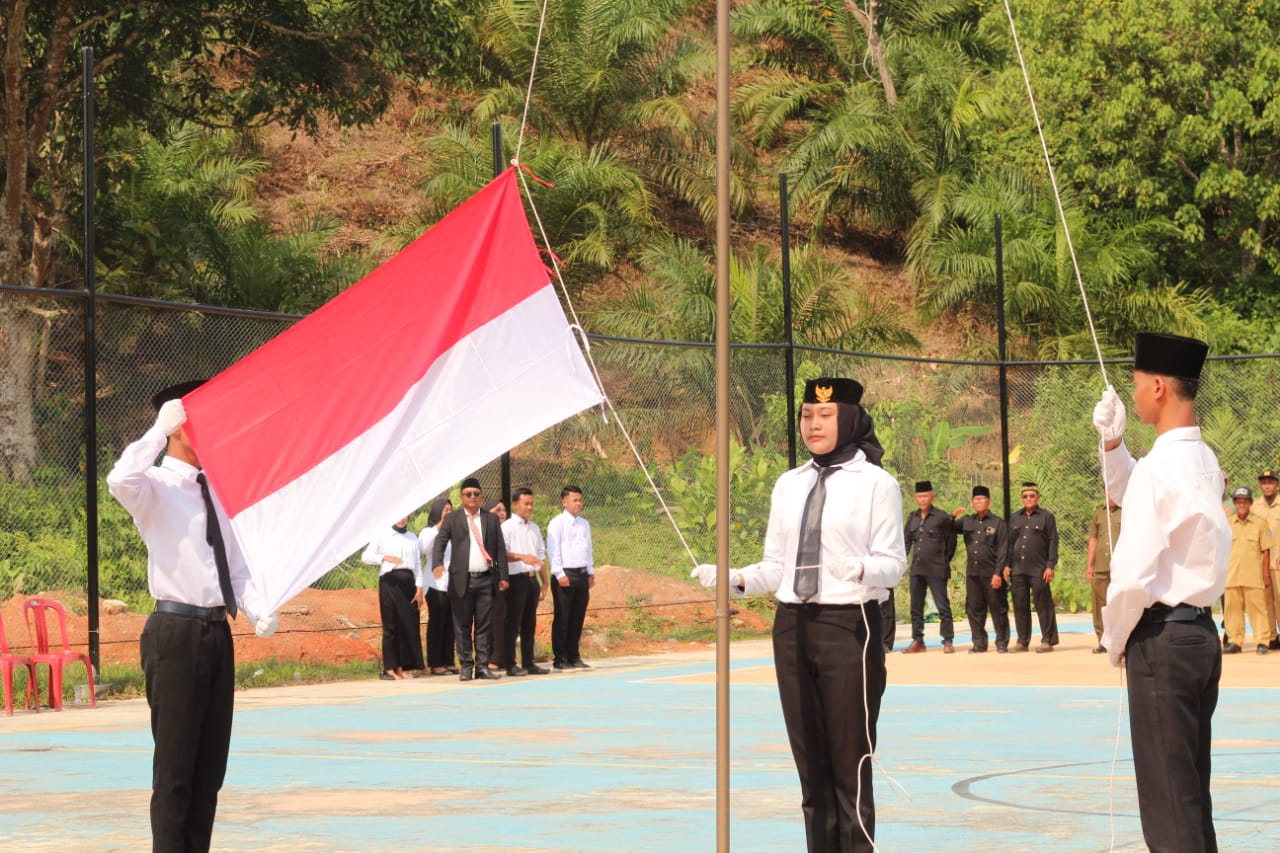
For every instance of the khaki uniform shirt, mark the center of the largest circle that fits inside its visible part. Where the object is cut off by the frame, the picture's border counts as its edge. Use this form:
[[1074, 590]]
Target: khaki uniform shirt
[[1098, 530], [1271, 515], [1249, 538]]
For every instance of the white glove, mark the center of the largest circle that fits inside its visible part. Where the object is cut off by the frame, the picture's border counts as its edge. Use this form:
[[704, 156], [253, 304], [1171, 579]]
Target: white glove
[[266, 625], [706, 574], [1109, 416], [172, 415]]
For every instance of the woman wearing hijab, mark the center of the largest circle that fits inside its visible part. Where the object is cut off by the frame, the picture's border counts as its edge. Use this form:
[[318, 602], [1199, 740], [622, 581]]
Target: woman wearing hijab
[[440, 657], [832, 552], [399, 597]]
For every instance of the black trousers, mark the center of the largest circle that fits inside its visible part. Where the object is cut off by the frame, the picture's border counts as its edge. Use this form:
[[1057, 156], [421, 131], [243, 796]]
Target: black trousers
[[979, 599], [889, 618], [1025, 588], [570, 611], [1172, 670], [521, 619], [439, 629], [401, 625], [818, 655], [190, 671], [937, 587], [473, 612], [498, 623]]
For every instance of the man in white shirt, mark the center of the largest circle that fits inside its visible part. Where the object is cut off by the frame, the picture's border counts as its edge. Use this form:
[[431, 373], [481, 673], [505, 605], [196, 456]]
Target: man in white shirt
[[526, 563], [573, 566], [833, 550], [197, 574], [1168, 567]]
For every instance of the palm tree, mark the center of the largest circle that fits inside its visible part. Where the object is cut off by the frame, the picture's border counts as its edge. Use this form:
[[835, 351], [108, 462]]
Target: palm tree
[[951, 257]]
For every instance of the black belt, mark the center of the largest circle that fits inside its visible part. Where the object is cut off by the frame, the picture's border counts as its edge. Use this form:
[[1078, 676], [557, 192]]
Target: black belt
[[483, 574], [811, 606], [207, 614], [575, 569], [1175, 613]]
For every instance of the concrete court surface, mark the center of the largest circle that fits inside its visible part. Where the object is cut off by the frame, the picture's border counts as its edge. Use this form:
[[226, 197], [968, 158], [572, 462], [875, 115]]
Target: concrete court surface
[[622, 758]]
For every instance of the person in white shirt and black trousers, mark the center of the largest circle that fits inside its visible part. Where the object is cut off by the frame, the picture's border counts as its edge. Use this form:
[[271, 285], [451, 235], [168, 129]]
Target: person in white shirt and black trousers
[[400, 598], [1168, 567], [477, 572], [573, 568], [832, 551], [197, 574], [526, 564]]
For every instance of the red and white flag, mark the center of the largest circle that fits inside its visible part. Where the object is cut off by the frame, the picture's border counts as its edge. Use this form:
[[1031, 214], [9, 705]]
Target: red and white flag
[[449, 354]]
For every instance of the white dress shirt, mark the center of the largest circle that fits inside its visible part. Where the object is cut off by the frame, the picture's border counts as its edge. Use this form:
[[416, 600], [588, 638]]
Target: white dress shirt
[[569, 544], [863, 553], [522, 537], [1175, 540], [476, 563], [169, 511], [393, 544], [426, 540]]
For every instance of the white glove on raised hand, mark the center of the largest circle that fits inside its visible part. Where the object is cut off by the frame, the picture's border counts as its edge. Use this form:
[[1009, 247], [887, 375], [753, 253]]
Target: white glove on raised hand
[[705, 574], [172, 415], [266, 625], [1109, 417]]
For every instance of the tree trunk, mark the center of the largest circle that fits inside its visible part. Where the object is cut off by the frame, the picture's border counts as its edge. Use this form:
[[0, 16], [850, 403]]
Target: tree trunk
[[19, 332], [875, 46]]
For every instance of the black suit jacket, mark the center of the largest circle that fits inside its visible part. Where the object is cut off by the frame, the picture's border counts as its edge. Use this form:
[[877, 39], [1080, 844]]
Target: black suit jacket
[[456, 531]]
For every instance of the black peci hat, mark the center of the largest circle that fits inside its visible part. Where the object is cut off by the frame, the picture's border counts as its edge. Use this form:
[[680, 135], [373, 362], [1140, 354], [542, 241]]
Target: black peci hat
[[981, 492], [1169, 355], [826, 389], [471, 483], [174, 392], [923, 486]]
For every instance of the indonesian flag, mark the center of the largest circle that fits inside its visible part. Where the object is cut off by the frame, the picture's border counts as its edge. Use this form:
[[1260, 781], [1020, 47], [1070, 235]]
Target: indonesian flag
[[449, 354]]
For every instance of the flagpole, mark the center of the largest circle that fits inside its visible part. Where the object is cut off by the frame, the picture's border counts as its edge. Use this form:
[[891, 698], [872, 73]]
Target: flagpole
[[504, 465], [723, 140]]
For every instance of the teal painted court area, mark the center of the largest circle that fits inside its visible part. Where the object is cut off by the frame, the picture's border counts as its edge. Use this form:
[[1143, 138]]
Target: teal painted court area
[[621, 758]]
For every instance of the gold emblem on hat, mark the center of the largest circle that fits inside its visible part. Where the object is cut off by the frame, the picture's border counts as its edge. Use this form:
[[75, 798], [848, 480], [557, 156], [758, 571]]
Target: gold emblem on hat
[[823, 393]]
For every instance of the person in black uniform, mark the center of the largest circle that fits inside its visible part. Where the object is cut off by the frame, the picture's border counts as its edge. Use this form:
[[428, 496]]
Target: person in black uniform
[[477, 571], [931, 543], [1033, 553], [986, 545], [198, 576]]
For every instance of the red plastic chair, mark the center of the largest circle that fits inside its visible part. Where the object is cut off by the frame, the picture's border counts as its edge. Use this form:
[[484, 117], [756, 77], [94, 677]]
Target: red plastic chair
[[34, 610], [9, 662]]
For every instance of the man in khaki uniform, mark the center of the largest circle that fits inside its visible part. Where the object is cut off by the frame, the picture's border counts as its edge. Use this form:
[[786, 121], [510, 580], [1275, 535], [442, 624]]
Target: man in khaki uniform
[[1102, 535], [1269, 510], [1248, 575]]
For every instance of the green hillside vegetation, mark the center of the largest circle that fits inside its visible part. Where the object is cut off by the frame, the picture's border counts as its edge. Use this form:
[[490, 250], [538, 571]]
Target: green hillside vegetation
[[265, 156]]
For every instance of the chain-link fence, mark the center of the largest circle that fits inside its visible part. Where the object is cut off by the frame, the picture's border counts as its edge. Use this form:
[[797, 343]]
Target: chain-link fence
[[938, 420]]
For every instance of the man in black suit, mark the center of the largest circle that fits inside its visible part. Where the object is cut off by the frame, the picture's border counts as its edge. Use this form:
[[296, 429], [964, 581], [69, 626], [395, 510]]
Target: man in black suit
[[477, 568]]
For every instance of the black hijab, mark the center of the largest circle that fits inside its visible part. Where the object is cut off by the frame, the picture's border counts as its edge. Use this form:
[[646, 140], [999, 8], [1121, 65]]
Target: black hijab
[[437, 511], [855, 431]]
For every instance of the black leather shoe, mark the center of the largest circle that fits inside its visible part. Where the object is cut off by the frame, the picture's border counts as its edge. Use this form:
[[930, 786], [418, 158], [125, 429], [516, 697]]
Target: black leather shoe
[[517, 671], [1262, 650], [466, 676], [977, 650], [580, 664], [483, 672], [1274, 645], [386, 676], [1020, 647], [1099, 649], [560, 665], [534, 669], [1231, 649], [1002, 650]]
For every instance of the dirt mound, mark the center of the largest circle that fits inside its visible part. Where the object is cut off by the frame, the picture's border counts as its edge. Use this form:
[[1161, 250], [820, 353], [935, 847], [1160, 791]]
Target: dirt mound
[[631, 612]]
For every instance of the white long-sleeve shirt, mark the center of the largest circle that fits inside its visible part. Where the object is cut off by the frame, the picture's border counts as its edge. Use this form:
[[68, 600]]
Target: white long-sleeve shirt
[[863, 554], [569, 544], [1175, 541], [169, 511], [522, 537], [426, 541], [393, 544]]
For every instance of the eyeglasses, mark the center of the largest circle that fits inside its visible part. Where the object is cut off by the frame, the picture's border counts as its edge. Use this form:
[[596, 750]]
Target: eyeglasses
[[471, 493]]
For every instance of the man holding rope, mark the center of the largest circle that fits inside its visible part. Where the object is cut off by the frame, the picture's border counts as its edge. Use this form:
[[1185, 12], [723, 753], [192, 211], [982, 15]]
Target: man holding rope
[[1167, 569]]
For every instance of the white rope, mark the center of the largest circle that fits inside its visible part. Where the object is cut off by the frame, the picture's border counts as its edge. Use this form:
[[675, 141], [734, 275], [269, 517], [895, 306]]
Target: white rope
[[1102, 367], [595, 372], [528, 92]]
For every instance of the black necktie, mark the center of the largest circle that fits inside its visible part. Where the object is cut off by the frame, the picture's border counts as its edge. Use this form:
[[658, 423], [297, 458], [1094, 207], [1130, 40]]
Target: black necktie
[[809, 554], [213, 533]]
